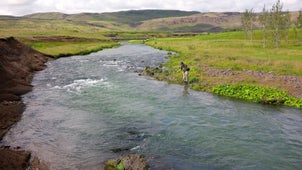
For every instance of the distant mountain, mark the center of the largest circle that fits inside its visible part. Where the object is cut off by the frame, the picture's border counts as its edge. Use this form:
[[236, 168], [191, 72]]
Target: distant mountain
[[134, 20], [125, 17], [135, 17], [47, 16], [149, 20], [114, 21], [7, 17], [205, 22]]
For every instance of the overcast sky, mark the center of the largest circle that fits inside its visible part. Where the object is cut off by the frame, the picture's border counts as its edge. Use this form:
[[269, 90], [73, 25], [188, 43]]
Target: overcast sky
[[23, 7]]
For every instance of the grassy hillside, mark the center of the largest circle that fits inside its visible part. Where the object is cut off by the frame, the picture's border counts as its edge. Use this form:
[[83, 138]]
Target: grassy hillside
[[135, 17], [131, 18], [47, 16], [140, 20], [125, 21], [122, 16], [207, 22], [80, 25], [33, 27]]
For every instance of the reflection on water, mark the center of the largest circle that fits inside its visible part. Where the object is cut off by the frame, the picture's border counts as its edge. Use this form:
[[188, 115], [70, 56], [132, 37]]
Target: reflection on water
[[85, 108], [186, 90]]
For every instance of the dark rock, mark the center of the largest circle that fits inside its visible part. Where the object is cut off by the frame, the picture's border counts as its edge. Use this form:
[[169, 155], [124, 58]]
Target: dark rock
[[272, 101], [117, 150]]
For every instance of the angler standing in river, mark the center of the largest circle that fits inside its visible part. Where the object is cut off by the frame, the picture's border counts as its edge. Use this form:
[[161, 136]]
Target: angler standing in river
[[185, 70]]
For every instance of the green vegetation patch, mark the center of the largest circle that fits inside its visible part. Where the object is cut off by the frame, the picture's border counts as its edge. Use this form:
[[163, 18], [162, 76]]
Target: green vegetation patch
[[60, 49], [258, 94]]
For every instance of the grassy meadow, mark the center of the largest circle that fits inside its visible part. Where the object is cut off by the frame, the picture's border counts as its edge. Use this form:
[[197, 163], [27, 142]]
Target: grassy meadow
[[61, 49], [29, 31], [231, 51]]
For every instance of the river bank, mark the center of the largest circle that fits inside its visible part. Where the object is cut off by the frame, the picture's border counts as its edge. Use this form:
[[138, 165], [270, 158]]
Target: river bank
[[226, 59], [18, 64], [84, 127]]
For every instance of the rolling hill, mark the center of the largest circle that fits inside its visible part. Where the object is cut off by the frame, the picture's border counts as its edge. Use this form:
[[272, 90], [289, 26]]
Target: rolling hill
[[206, 22], [135, 20], [126, 17], [92, 24]]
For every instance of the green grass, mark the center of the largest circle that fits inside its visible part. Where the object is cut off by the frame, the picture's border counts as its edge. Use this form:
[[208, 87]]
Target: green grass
[[27, 29], [229, 50], [59, 49]]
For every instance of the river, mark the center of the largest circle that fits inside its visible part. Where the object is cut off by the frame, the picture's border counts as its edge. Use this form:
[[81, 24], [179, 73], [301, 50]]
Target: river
[[82, 108]]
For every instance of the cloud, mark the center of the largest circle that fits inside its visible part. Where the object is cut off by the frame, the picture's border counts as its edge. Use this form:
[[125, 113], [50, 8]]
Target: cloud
[[19, 2], [16, 7], [22, 7]]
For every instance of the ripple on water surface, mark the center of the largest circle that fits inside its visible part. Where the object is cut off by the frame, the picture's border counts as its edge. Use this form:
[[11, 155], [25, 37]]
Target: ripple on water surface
[[85, 108]]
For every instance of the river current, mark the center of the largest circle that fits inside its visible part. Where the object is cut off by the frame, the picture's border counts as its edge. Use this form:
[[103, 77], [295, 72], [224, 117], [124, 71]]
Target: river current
[[83, 108]]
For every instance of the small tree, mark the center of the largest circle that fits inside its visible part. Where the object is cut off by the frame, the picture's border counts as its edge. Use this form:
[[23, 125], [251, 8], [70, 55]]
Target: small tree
[[295, 30], [244, 23], [299, 20], [276, 22], [298, 25], [247, 22], [264, 19], [286, 22]]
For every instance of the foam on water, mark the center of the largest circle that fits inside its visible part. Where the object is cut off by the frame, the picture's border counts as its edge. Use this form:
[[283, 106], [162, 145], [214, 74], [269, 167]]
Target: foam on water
[[78, 85]]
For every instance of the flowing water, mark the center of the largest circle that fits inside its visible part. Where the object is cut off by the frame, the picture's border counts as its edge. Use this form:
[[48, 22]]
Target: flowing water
[[83, 108]]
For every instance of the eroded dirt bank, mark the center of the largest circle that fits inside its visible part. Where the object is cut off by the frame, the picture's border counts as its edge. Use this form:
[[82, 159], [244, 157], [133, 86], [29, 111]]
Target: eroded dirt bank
[[18, 63]]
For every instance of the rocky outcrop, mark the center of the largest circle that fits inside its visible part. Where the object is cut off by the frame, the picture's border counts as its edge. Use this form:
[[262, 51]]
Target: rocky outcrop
[[18, 63]]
